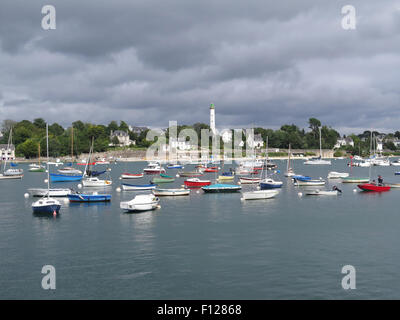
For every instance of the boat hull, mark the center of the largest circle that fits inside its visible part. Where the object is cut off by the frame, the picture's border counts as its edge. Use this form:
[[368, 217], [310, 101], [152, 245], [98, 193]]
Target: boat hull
[[266, 186], [369, 187], [171, 192], [132, 187], [64, 178], [259, 194], [132, 176], [89, 197], [41, 192], [221, 188], [197, 184], [162, 180]]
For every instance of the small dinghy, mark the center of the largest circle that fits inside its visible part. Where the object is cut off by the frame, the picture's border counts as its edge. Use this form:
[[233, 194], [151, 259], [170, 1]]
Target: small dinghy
[[142, 202], [394, 185], [245, 180], [259, 194], [216, 188], [226, 176], [92, 197], [355, 180], [337, 175], [301, 177], [174, 166], [162, 180], [133, 187], [171, 192], [190, 174], [316, 182], [334, 192], [70, 170], [127, 175], [196, 183]]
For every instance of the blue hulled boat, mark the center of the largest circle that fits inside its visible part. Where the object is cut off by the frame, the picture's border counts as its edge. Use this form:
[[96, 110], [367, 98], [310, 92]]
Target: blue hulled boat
[[301, 178], [80, 197], [54, 177], [219, 187], [269, 183]]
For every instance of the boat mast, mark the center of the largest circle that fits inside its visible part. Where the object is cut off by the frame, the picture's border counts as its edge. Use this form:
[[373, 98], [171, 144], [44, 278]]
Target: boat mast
[[8, 148], [72, 143], [39, 152], [288, 163], [320, 144], [48, 171]]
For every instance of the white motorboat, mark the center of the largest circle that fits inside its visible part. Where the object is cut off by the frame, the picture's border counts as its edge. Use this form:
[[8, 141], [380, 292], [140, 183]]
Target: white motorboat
[[363, 164], [395, 163], [381, 162], [142, 202], [13, 172], [95, 182], [322, 193], [154, 168], [171, 192], [102, 161], [69, 170], [259, 194], [42, 192], [337, 175], [316, 182], [317, 161]]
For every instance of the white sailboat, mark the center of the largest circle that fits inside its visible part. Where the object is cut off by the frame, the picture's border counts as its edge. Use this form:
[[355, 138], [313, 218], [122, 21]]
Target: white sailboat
[[318, 160], [289, 170], [88, 181], [268, 187], [10, 173], [47, 205]]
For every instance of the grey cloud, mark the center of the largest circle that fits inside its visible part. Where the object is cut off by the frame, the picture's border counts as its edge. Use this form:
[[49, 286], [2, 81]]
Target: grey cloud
[[261, 62]]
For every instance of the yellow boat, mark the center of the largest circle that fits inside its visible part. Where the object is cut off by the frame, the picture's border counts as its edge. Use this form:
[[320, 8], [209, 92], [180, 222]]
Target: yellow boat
[[225, 178]]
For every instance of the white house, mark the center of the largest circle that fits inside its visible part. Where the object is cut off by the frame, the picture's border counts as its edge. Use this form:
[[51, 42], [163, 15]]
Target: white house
[[7, 153], [344, 142], [255, 141], [122, 136], [379, 144], [180, 144]]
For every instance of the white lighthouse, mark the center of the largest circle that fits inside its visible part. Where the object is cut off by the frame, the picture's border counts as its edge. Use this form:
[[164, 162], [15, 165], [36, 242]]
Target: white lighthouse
[[212, 119]]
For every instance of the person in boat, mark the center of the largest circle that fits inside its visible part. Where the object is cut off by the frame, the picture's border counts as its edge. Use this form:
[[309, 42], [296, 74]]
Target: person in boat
[[373, 182], [380, 181], [336, 189]]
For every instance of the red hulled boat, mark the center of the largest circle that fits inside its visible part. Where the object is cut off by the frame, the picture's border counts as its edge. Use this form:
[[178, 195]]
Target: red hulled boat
[[196, 183], [373, 187]]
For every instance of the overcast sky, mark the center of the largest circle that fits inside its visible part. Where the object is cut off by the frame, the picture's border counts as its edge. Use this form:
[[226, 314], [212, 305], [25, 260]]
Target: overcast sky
[[261, 62]]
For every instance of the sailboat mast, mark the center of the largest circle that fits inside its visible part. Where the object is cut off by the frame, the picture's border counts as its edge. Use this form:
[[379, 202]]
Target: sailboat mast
[[266, 158], [8, 148], [72, 143], [39, 152], [48, 171], [320, 143], [288, 163]]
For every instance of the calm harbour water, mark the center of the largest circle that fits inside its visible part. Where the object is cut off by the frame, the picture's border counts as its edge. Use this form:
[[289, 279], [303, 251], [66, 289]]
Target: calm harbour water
[[205, 246]]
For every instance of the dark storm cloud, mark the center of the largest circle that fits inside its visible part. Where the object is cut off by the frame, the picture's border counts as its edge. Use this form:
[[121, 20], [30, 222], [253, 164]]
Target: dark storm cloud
[[263, 63]]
